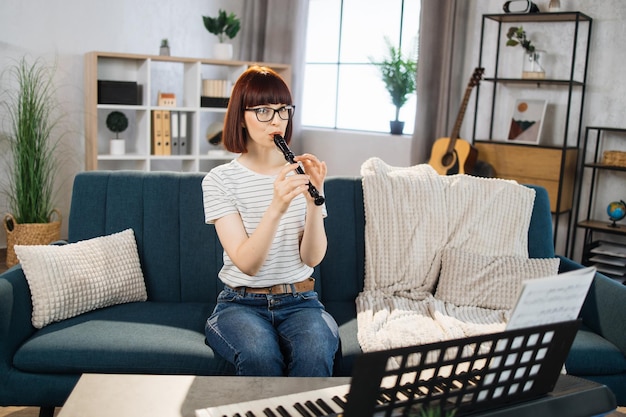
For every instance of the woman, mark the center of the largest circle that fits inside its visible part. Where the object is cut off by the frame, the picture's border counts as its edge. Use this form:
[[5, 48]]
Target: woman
[[268, 320]]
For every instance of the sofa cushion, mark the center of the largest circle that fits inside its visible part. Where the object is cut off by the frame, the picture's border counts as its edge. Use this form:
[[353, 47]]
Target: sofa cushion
[[591, 354], [72, 279], [493, 282], [145, 337]]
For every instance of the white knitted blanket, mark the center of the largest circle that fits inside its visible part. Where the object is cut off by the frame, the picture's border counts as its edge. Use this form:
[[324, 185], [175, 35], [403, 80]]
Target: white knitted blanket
[[412, 214]]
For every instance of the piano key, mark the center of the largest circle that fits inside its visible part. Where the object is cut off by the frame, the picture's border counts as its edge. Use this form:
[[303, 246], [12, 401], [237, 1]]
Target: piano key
[[303, 412], [301, 404]]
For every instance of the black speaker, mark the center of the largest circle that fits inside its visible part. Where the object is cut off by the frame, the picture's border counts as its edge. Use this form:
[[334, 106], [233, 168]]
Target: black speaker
[[119, 92]]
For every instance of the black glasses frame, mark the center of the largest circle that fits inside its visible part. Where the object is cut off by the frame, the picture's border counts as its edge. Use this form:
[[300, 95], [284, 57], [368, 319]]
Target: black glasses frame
[[290, 108]]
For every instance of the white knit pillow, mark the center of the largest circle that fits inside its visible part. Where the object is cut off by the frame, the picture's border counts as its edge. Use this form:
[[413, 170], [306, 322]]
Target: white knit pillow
[[72, 279], [494, 282]]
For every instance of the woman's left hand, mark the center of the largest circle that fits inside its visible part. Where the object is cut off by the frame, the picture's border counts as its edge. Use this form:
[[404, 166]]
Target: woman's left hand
[[315, 169]]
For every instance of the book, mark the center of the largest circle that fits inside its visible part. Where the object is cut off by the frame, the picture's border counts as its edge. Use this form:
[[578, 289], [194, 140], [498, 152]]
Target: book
[[182, 133], [174, 133], [157, 132], [167, 135]]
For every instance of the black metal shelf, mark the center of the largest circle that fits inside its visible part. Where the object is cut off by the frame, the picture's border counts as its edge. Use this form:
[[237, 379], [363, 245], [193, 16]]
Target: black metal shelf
[[593, 168]]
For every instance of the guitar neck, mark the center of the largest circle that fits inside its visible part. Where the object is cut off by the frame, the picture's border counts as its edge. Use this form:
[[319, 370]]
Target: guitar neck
[[459, 119]]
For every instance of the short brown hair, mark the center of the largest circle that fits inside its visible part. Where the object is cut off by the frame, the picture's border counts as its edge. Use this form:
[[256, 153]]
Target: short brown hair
[[256, 86]]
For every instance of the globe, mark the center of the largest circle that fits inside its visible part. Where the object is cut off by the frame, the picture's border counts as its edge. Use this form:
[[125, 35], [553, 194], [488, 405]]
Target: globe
[[616, 211]]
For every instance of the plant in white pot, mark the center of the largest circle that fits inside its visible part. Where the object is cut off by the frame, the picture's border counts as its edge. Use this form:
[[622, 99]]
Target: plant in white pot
[[399, 75], [117, 122], [30, 122], [225, 25]]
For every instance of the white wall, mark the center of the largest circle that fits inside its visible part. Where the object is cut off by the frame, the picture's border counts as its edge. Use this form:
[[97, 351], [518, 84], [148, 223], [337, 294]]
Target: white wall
[[66, 29]]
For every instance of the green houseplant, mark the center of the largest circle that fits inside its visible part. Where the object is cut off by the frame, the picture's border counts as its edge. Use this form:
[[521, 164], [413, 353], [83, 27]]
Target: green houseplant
[[399, 75], [516, 35], [30, 107], [117, 122], [225, 25]]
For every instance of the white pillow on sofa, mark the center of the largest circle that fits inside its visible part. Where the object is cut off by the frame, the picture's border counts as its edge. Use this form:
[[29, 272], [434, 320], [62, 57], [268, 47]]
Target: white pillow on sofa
[[72, 279], [494, 282]]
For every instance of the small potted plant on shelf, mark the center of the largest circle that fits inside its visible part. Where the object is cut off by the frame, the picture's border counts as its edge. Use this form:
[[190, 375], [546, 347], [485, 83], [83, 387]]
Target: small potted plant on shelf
[[531, 68], [399, 75], [225, 25], [29, 99], [117, 122], [164, 49]]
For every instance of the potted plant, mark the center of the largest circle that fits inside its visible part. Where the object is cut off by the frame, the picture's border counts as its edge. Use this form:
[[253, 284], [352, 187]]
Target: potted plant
[[223, 26], [531, 68], [31, 118], [399, 75], [164, 49], [117, 122]]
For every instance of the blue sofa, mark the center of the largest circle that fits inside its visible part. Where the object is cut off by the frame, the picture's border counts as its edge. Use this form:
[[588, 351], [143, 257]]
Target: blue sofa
[[180, 258]]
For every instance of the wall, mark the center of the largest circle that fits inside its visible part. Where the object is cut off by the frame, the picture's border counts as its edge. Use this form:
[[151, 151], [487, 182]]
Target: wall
[[66, 29], [63, 31]]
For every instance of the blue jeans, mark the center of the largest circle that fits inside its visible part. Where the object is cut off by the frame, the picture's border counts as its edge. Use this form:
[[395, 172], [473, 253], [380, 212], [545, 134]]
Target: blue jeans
[[273, 335]]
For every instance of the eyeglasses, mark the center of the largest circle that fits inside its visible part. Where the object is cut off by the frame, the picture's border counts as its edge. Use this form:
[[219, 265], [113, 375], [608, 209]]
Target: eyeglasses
[[266, 114]]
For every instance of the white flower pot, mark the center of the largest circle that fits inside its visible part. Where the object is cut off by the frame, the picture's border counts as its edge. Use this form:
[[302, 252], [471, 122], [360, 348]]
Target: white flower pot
[[117, 147], [223, 51]]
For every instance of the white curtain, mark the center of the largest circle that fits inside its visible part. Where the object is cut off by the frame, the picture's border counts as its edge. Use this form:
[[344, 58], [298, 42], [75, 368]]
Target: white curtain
[[274, 31], [439, 75]]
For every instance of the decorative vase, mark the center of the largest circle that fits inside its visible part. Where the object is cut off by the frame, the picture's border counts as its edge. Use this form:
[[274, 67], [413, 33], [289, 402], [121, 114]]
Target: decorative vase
[[396, 127], [531, 68], [223, 51], [117, 147], [29, 234]]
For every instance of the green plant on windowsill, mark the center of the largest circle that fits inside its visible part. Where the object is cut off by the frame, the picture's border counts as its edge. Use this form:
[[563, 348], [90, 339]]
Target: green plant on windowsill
[[399, 75], [224, 25]]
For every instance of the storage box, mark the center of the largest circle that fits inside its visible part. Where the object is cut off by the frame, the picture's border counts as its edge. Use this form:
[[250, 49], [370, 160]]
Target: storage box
[[614, 158], [119, 92], [213, 101]]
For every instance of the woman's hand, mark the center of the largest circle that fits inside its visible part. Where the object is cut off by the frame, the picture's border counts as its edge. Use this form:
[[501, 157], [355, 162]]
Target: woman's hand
[[316, 171], [287, 187]]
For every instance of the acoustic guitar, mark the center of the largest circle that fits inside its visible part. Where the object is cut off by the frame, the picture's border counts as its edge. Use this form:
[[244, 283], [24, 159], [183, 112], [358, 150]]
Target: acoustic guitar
[[453, 155]]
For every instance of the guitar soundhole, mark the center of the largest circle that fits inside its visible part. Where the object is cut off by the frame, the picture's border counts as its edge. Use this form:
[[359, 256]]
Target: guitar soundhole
[[447, 159]]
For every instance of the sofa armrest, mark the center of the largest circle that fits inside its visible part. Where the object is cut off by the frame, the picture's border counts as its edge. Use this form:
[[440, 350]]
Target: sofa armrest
[[604, 308], [15, 313]]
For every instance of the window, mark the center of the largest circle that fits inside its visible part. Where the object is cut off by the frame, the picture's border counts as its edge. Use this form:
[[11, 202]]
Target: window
[[342, 88]]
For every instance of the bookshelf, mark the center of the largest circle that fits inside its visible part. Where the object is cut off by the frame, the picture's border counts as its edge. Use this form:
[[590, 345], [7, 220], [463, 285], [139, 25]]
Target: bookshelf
[[552, 162], [154, 74]]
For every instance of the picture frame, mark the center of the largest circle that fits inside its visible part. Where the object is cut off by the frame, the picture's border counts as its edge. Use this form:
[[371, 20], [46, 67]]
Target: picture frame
[[527, 121]]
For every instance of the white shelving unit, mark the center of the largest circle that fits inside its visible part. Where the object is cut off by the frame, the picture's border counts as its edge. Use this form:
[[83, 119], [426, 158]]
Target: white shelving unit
[[154, 74]]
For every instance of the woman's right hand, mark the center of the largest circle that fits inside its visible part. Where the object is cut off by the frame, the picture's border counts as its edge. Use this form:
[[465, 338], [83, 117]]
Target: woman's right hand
[[287, 187]]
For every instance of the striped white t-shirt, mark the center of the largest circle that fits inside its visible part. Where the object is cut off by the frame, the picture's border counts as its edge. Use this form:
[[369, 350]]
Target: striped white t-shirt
[[233, 188]]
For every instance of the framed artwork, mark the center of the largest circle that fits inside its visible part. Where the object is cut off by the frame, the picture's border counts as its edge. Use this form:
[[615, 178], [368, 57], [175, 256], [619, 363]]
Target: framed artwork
[[527, 121]]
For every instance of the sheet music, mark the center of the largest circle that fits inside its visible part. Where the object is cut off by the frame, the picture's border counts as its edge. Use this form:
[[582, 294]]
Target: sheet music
[[552, 299]]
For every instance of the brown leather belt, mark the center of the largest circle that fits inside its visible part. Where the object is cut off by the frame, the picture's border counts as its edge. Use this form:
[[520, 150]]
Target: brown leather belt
[[302, 286]]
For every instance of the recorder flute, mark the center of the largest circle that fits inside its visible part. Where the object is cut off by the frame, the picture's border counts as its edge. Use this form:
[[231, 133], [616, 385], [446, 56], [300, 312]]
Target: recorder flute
[[282, 145]]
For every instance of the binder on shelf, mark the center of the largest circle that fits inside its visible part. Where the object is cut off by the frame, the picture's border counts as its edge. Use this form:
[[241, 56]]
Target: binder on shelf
[[182, 133], [167, 135], [174, 133], [157, 132]]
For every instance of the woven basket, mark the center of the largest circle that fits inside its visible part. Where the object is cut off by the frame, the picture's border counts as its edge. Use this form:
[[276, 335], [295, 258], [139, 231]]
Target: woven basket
[[614, 158], [29, 234]]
